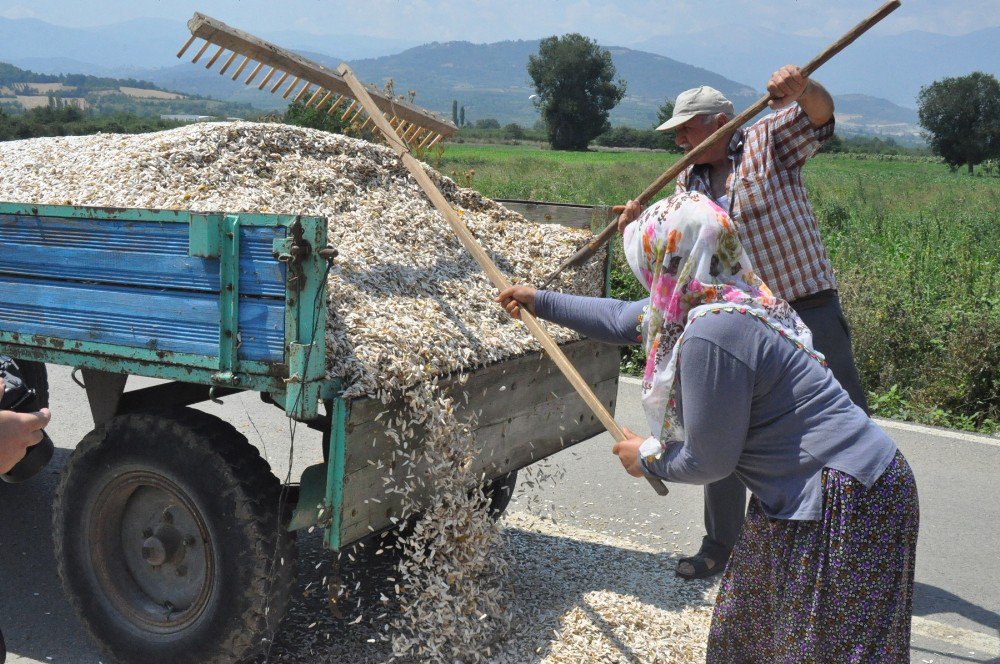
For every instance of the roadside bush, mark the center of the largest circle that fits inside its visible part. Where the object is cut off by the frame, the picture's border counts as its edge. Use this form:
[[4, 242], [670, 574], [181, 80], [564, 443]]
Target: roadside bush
[[935, 365], [71, 121], [627, 137], [873, 146], [921, 294], [514, 132], [508, 134]]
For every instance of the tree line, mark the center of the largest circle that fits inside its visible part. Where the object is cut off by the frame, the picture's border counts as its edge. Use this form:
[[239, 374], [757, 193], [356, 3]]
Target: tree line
[[79, 83], [55, 120], [574, 79]]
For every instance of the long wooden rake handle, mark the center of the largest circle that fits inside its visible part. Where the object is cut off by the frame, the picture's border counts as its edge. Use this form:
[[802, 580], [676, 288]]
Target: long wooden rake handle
[[588, 250], [497, 277]]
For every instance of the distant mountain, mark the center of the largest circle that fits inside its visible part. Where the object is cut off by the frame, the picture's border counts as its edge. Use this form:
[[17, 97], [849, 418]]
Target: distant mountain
[[350, 47], [890, 66], [61, 65], [22, 89], [880, 110], [196, 80], [654, 79], [866, 115], [490, 80]]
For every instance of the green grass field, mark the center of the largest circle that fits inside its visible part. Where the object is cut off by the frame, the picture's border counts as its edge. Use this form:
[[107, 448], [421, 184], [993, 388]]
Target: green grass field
[[915, 246]]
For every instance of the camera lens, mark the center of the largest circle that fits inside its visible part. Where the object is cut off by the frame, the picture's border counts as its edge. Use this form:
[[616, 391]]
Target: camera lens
[[21, 398], [37, 456]]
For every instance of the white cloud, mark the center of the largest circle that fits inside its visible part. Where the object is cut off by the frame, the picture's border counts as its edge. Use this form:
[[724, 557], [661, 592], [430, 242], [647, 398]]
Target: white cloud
[[19, 11]]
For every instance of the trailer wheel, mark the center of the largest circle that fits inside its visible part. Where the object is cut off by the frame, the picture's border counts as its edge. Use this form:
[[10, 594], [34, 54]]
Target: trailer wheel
[[499, 492], [169, 540]]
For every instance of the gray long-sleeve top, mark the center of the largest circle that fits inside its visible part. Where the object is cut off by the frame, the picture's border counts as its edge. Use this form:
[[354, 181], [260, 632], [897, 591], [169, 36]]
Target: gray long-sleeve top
[[750, 403]]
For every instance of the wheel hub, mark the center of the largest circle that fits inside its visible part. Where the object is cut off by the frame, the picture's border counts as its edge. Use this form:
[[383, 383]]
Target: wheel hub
[[152, 545], [153, 551], [166, 545]]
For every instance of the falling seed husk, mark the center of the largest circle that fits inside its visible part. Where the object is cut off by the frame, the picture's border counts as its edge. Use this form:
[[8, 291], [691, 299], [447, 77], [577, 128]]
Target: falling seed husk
[[407, 306]]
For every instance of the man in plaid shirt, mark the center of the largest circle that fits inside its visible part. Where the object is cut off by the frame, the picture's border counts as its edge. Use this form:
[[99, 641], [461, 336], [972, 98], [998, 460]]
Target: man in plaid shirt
[[756, 174]]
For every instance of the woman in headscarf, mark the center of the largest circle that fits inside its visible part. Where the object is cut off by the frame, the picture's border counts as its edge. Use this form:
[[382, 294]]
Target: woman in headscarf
[[823, 570]]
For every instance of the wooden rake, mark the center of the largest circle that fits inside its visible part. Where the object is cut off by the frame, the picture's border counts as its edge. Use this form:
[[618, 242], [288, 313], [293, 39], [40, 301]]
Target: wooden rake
[[312, 83], [588, 250], [468, 240]]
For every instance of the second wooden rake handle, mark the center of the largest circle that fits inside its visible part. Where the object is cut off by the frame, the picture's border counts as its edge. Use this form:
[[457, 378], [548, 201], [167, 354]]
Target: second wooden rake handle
[[691, 157], [814, 64]]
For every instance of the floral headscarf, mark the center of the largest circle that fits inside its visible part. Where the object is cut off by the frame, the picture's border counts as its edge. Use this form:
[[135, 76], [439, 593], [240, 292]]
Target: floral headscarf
[[687, 252]]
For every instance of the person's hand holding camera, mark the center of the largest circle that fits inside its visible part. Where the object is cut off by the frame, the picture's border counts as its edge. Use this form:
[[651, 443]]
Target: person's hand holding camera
[[18, 432]]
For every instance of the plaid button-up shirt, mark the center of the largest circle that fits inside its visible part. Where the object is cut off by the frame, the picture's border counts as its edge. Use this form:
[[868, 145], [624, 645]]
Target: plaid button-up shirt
[[768, 199]]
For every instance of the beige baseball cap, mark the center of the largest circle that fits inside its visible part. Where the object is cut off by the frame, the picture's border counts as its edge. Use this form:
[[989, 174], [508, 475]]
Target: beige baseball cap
[[697, 101]]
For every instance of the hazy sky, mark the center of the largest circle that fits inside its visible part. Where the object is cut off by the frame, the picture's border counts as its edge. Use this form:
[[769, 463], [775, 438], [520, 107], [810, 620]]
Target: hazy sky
[[620, 22]]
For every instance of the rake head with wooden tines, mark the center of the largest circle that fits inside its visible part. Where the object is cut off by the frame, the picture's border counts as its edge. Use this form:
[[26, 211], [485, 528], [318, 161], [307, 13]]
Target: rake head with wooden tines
[[319, 86]]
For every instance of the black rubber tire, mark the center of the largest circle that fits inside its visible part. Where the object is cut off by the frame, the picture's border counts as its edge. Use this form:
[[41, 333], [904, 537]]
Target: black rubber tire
[[229, 486], [500, 491], [37, 378]]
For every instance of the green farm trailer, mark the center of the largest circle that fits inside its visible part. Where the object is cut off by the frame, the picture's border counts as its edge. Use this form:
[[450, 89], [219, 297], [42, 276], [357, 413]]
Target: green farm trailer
[[174, 540]]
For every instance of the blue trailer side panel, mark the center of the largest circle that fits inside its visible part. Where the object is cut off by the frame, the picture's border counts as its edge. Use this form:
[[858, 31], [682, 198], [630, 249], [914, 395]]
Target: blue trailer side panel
[[182, 321], [135, 253], [222, 299], [133, 283]]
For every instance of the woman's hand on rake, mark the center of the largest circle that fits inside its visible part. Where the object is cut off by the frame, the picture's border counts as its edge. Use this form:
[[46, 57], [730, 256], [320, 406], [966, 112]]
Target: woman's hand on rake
[[513, 298], [627, 452]]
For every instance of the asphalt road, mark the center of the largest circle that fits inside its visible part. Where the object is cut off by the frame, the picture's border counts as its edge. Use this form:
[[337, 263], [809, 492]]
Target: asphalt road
[[957, 601]]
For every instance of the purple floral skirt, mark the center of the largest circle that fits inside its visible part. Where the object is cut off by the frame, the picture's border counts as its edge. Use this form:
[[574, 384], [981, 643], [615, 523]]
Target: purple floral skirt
[[835, 590]]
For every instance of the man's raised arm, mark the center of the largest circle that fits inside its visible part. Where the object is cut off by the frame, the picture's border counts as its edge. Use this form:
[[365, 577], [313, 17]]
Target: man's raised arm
[[788, 85]]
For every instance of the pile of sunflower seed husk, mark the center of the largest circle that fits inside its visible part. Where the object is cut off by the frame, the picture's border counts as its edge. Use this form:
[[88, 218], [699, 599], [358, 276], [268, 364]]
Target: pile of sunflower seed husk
[[408, 305], [407, 300]]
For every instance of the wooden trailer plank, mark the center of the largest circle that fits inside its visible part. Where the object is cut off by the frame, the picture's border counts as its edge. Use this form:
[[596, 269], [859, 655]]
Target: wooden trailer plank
[[520, 440], [535, 371], [537, 414], [575, 216], [368, 444]]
